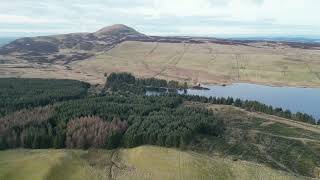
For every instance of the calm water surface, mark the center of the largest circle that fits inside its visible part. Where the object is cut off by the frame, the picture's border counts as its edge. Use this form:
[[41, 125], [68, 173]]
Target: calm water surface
[[295, 99], [305, 100]]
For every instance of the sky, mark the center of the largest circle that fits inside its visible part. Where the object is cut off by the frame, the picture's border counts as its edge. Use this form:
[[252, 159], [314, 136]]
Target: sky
[[216, 18]]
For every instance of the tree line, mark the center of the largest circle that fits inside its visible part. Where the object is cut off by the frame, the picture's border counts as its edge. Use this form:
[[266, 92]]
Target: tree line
[[127, 82], [19, 93], [254, 106]]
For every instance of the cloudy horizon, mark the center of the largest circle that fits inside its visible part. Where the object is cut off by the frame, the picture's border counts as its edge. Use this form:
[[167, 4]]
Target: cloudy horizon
[[163, 17]]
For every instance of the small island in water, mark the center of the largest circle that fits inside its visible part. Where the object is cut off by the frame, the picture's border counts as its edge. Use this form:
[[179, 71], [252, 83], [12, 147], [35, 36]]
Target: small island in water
[[199, 87]]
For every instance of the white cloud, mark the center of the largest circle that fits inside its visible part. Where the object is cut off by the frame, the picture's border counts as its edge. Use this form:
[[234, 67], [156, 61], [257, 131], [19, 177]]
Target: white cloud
[[166, 16]]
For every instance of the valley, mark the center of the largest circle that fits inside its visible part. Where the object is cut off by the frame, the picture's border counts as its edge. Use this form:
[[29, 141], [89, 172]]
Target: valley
[[159, 90], [74, 106]]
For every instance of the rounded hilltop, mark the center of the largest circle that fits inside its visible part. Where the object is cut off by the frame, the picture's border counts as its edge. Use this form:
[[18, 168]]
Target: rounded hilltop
[[117, 29]]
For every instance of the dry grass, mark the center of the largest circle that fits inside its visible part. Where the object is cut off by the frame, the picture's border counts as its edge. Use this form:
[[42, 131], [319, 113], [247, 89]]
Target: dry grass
[[210, 63], [196, 63]]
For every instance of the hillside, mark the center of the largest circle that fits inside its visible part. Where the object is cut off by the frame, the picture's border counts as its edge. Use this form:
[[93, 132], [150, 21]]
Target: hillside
[[88, 56], [281, 143], [210, 63], [69, 47], [145, 162]]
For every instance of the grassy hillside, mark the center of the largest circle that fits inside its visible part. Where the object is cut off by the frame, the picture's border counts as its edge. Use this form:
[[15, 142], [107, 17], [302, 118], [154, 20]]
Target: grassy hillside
[[46, 164], [210, 63], [261, 63], [277, 142], [162, 163], [145, 162]]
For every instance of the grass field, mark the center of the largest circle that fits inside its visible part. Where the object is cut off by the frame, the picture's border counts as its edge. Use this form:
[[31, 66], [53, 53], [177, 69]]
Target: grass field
[[145, 162], [47, 165], [150, 162]]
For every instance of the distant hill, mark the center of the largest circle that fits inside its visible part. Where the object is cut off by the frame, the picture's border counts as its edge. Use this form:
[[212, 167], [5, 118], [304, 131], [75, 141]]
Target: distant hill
[[282, 39], [103, 39], [70, 47], [66, 48]]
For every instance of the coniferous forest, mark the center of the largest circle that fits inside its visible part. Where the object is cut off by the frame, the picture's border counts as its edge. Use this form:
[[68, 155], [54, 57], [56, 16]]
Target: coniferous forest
[[37, 113], [109, 120], [19, 93]]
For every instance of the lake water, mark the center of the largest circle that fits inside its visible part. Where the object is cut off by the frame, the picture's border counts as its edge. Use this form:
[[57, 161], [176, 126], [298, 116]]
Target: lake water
[[305, 100]]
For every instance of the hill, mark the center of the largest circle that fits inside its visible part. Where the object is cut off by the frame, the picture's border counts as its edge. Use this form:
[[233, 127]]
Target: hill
[[281, 143], [69, 47], [210, 63], [145, 162], [88, 56]]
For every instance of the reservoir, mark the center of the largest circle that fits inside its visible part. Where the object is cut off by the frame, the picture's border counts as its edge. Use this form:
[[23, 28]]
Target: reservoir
[[306, 100]]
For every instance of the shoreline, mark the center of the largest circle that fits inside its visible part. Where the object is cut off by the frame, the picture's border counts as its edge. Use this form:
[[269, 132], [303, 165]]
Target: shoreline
[[270, 84]]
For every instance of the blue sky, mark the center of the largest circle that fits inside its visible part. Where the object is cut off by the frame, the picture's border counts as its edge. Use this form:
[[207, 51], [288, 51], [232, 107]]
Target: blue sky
[[163, 17]]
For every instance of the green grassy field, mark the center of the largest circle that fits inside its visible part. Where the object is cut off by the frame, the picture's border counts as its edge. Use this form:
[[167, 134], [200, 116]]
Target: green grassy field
[[145, 162], [161, 163], [46, 164]]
